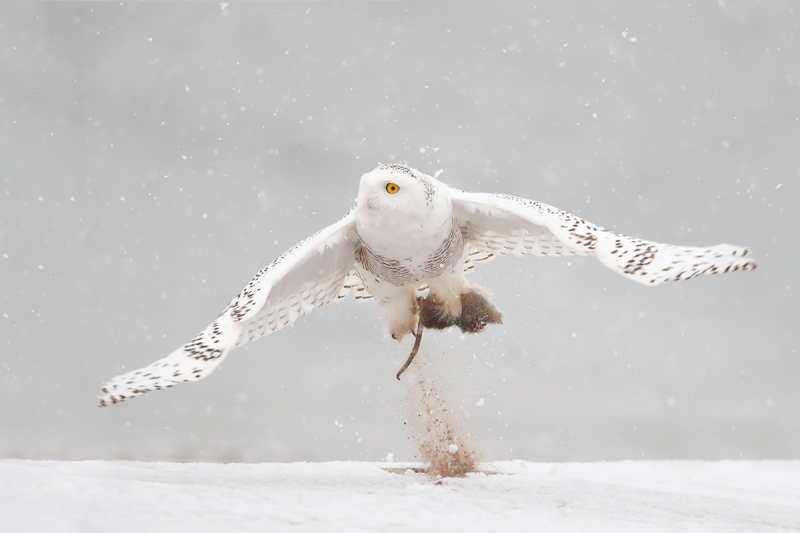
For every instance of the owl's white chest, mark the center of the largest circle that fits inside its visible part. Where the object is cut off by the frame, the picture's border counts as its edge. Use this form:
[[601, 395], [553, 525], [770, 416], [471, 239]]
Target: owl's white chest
[[405, 250], [399, 234]]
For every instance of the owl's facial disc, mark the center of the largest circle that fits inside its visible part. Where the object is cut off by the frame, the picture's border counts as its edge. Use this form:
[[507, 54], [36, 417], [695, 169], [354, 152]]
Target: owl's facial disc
[[390, 189]]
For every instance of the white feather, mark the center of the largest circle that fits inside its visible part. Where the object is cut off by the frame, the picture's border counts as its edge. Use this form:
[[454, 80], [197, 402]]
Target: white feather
[[315, 272], [423, 233], [498, 224]]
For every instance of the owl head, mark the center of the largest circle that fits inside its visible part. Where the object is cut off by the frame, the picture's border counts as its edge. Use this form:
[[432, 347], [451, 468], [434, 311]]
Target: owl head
[[393, 188]]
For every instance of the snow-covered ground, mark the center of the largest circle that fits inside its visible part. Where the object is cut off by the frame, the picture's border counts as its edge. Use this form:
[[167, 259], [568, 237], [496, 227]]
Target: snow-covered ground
[[639, 496]]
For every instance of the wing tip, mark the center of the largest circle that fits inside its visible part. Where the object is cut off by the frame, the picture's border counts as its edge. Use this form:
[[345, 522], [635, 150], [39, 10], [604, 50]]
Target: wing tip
[[111, 398], [739, 264], [102, 401], [750, 265]]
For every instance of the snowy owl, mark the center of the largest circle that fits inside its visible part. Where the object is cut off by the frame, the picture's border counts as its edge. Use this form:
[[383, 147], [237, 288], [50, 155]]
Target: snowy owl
[[410, 235]]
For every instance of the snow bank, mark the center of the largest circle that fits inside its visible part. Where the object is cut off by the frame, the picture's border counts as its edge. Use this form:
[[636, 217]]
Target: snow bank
[[351, 496]]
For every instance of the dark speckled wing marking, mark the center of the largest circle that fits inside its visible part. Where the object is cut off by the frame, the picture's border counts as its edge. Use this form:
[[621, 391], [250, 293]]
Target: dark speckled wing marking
[[499, 224], [313, 273]]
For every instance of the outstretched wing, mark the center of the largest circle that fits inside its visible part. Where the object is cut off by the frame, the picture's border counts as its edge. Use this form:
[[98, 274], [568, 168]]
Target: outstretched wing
[[315, 272], [499, 224]]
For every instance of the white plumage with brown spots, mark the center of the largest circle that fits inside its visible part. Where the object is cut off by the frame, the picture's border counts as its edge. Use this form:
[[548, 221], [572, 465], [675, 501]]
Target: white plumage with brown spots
[[409, 231]]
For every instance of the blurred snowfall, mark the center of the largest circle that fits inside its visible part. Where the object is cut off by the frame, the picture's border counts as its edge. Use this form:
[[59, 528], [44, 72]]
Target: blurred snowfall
[[156, 155]]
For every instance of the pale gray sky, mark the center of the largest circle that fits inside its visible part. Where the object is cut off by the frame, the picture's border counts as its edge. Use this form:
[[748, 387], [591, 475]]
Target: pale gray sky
[[156, 155]]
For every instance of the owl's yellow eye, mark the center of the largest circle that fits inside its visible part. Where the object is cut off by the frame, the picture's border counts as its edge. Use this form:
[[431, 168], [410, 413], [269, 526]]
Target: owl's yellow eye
[[392, 188]]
